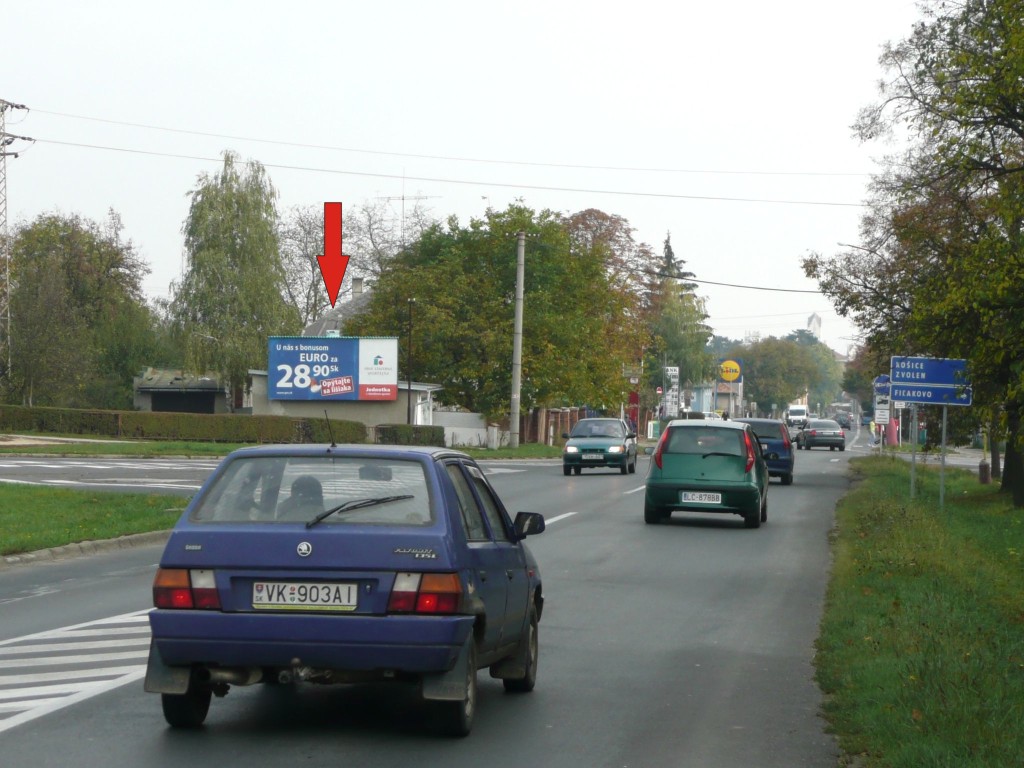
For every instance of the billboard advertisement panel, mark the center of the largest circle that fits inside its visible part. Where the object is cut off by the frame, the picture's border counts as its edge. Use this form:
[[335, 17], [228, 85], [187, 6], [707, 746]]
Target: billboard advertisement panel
[[332, 368]]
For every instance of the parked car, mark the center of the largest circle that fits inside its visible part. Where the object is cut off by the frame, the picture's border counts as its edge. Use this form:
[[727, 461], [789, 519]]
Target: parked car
[[707, 466], [776, 446], [599, 442], [343, 564], [821, 432]]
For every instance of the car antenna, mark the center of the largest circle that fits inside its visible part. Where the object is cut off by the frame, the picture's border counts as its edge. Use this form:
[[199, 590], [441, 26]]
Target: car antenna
[[329, 430]]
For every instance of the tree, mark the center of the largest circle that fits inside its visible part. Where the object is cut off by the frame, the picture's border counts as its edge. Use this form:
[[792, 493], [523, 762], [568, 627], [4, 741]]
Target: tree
[[576, 328], [371, 238], [230, 299], [677, 319], [778, 371], [941, 269], [80, 326]]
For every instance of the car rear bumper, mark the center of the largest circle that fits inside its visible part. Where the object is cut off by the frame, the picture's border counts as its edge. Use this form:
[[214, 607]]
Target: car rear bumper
[[736, 499], [342, 642], [818, 442]]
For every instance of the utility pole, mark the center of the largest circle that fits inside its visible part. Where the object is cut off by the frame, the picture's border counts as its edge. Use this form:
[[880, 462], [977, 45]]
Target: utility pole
[[517, 338], [6, 139]]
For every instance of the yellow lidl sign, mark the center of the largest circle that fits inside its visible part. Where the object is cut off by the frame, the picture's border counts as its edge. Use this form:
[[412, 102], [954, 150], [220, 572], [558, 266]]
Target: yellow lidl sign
[[730, 370]]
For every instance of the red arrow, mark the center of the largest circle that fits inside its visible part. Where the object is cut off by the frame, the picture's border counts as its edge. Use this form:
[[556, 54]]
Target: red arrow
[[332, 263]]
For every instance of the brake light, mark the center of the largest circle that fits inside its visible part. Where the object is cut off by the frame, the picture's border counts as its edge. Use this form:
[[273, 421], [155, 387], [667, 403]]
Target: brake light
[[786, 442], [426, 593], [660, 447], [180, 588], [750, 450]]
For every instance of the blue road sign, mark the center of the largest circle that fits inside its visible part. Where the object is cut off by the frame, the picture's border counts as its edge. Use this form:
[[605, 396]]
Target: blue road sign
[[932, 394], [938, 371], [881, 384]]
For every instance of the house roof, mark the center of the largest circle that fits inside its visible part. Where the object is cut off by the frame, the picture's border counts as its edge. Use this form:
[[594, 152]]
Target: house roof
[[334, 318], [174, 380]]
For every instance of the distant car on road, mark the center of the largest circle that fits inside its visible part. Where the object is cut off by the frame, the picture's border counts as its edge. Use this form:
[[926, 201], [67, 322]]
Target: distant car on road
[[599, 442], [776, 445], [844, 420], [821, 433], [707, 466], [343, 564]]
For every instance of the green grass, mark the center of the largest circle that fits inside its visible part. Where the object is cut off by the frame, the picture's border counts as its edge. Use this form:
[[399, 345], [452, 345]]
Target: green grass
[[921, 653], [154, 448], [33, 518]]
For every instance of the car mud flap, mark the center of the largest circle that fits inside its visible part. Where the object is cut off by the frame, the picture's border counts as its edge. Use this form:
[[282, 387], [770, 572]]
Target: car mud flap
[[450, 685], [161, 678], [513, 667]]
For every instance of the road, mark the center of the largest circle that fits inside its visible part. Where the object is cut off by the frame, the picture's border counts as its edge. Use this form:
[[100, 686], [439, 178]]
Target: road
[[689, 643]]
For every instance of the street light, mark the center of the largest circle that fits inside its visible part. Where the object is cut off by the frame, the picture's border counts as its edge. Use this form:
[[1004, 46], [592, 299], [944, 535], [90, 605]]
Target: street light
[[408, 360]]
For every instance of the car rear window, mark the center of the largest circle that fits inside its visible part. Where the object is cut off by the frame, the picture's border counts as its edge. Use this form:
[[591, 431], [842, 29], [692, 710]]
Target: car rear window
[[704, 440], [279, 489], [767, 430]]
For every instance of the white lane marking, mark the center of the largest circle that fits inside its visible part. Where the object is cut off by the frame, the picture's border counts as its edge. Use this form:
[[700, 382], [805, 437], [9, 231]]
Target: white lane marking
[[556, 518], [635, 490], [12, 650], [30, 695]]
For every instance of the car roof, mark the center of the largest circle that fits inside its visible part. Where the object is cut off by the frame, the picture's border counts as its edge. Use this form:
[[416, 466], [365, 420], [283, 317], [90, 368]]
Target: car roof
[[758, 420], [715, 423], [358, 450]]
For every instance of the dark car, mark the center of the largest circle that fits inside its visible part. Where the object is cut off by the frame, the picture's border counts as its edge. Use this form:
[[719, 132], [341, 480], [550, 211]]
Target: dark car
[[707, 466], [844, 420], [599, 442], [821, 433], [776, 446], [345, 564]]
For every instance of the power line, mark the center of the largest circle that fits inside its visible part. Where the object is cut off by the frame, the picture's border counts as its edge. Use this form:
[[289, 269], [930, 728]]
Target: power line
[[468, 182], [447, 158]]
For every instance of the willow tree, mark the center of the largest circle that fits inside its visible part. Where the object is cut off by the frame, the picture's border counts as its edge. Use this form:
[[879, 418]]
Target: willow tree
[[230, 298]]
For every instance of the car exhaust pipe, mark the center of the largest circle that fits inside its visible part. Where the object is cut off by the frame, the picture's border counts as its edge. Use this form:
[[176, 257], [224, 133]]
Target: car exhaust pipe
[[249, 676]]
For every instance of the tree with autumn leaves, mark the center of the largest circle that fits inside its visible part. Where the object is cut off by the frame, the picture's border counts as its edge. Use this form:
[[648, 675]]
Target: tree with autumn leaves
[[940, 267]]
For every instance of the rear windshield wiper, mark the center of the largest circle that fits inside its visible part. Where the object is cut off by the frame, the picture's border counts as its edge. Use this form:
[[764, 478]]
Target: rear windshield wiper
[[719, 453], [348, 506]]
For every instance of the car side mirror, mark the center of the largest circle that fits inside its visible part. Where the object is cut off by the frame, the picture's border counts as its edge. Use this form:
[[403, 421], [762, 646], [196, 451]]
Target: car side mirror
[[528, 524], [565, 435], [631, 436]]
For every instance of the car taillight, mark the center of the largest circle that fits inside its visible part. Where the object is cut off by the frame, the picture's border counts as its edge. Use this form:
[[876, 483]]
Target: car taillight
[[786, 442], [426, 593], [180, 588], [813, 432], [658, 449], [750, 451]]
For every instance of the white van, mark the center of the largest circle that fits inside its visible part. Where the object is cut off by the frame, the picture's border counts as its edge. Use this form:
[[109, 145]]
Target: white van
[[796, 415]]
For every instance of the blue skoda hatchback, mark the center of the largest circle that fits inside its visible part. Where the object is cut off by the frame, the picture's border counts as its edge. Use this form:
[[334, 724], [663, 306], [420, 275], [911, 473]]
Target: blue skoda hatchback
[[345, 564]]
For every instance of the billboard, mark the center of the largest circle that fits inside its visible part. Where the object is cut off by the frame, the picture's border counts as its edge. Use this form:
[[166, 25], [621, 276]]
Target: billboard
[[332, 368]]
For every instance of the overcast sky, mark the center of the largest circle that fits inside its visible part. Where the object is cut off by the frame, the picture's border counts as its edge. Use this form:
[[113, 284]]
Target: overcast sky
[[724, 123]]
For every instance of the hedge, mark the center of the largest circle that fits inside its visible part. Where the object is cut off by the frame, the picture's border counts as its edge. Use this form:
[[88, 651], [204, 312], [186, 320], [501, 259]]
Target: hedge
[[218, 428], [407, 434]]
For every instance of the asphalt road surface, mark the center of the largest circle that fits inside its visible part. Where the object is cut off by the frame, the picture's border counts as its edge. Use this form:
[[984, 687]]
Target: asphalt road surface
[[685, 644]]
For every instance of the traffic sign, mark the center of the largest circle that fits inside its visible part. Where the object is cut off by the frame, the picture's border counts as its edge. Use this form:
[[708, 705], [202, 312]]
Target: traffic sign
[[881, 384], [881, 416], [939, 371], [931, 394]]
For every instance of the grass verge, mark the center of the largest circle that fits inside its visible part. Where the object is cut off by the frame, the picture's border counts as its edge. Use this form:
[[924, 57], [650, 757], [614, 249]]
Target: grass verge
[[144, 448], [921, 651], [33, 518]]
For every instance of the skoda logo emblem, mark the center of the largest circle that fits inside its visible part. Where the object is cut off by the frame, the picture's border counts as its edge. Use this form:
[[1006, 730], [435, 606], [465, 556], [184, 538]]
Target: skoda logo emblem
[[305, 549]]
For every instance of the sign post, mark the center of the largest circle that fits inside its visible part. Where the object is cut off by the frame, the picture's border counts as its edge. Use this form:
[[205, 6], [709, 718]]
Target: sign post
[[930, 381]]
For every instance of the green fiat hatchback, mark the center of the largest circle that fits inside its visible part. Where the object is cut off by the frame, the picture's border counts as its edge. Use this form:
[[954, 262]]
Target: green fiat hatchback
[[707, 466]]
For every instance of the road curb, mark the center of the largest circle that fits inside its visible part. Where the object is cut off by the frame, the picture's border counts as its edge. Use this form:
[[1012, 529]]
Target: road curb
[[84, 549]]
